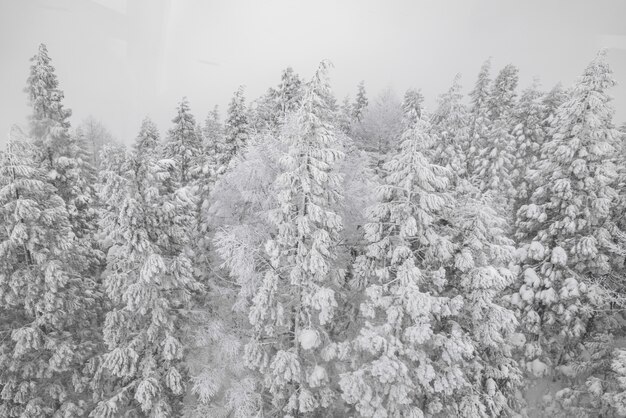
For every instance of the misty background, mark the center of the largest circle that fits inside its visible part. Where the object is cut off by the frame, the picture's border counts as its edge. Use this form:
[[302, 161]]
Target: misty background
[[120, 60]]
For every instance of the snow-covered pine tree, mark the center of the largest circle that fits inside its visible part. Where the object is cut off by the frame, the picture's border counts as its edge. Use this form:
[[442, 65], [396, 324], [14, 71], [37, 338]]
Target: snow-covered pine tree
[[481, 275], [211, 168], [408, 358], [268, 112], [345, 115], [294, 306], [360, 103], [47, 310], [569, 296], [213, 135], [529, 135], [551, 102], [236, 127], [62, 156], [479, 118], [149, 283], [450, 123], [213, 131], [289, 93], [184, 145], [495, 156]]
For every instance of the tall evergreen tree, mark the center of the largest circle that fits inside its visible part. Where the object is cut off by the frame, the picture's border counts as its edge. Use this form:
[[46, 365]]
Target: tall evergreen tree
[[397, 369], [450, 123], [46, 306], [184, 145], [150, 284], [495, 157], [62, 155], [289, 93], [237, 129], [294, 306], [566, 292], [529, 135], [344, 118], [479, 118], [360, 103]]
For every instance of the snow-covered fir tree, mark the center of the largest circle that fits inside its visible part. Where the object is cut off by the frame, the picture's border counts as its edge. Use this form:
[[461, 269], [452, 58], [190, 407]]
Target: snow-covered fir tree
[[63, 156], [360, 103], [495, 157], [184, 145], [403, 363], [551, 102], [47, 308], [345, 119], [481, 274], [149, 283], [450, 122], [288, 94], [236, 127], [529, 135], [294, 305], [479, 118], [568, 294]]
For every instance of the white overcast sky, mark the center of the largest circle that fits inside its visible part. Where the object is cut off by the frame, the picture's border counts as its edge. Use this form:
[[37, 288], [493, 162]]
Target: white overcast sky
[[120, 60]]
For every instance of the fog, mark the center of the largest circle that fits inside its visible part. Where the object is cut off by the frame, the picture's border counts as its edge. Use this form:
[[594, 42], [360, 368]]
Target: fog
[[120, 60]]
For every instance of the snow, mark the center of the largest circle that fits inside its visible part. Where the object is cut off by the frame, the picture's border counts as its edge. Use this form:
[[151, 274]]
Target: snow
[[309, 339]]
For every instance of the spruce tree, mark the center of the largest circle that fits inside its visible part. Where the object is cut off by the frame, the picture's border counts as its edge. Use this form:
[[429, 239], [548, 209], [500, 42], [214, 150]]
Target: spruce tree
[[345, 116], [495, 156], [566, 297], [407, 357], [46, 306], [479, 118], [292, 310], [184, 145], [360, 103], [288, 94], [63, 156], [149, 283], [529, 135], [236, 128], [450, 124]]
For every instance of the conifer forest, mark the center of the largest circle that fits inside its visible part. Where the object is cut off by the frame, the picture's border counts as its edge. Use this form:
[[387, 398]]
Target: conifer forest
[[302, 255]]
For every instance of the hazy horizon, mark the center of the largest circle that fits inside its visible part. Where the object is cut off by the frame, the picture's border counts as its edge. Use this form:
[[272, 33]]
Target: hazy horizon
[[120, 61]]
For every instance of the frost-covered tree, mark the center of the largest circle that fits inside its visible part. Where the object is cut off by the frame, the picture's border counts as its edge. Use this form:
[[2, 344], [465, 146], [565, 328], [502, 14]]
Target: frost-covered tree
[[435, 340], [345, 120], [529, 135], [408, 355], [551, 102], [479, 118], [236, 128], [149, 283], [184, 145], [496, 154], [47, 309], [360, 103], [61, 154], [294, 306], [288, 94], [450, 123], [568, 292], [481, 275]]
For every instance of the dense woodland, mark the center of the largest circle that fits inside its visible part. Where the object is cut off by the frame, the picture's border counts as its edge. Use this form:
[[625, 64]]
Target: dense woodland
[[312, 257]]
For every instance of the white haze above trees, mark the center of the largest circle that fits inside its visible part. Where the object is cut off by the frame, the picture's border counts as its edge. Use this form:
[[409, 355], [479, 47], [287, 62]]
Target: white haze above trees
[[304, 256]]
